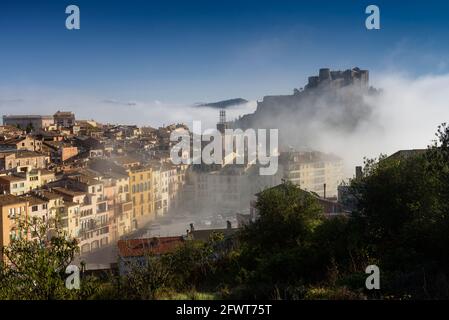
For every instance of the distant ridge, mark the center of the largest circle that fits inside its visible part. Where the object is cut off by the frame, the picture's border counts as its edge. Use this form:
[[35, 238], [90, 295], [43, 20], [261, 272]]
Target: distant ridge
[[224, 104]]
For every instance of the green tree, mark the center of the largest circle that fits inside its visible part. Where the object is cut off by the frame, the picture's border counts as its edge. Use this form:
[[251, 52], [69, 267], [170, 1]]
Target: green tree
[[277, 248], [403, 219], [35, 269], [145, 280], [29, 128]]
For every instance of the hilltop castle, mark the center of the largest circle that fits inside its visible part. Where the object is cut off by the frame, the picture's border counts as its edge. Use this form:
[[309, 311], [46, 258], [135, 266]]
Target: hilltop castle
[[335, 97], [339, 79]]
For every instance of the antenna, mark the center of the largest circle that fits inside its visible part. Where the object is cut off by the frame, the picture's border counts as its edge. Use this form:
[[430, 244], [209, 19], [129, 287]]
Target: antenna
[[222, 116]]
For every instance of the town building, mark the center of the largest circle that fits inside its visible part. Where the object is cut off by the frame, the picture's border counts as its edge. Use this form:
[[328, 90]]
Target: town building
[[54, 204], [64, 119], [33, 122], [226, 189], [20, 143], [18, 183], [60, 151], [8, 132], [313, 171], [134, 252], [93, 232], [23, 160], [12, 209], [141, 186]]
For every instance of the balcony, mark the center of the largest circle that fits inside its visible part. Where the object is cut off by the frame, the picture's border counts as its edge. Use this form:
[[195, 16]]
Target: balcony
[[101, 208], [122, 207]]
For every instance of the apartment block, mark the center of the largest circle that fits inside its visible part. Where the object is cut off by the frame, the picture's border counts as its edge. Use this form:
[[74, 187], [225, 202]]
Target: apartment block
[[28, 121], [60, 151], [93, 223], [140, 185], [23, 160], [12, 208], [27, 143], [119, 202], [64, 119], [19, 183], [313, 171]]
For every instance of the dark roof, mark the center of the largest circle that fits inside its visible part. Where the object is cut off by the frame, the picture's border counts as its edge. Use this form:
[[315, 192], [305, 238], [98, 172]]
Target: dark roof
[[308, 156], [8, 199], [68, 192], [140, 247], [47, 195], [405, 154], [13, 141], [64, 114], [12, 178], [204, 235], [33, 200], [28, 154]]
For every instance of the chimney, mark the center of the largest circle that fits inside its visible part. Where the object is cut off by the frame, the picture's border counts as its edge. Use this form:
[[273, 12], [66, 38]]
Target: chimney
[[228, 225], [324, 187], [192, 228], [358, 172]]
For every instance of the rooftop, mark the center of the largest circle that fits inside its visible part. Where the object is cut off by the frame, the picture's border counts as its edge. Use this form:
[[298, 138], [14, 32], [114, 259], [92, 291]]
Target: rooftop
[[204, 235], [33, 200], [8, 199], [26, 116], [405, 154], [68, 192], [12, 178], [64, 114], [141, 247], [307, 156], [46, 194], [28, 154]]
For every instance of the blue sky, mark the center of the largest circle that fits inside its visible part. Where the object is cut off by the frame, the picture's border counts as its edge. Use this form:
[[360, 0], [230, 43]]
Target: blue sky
[[190, 51]]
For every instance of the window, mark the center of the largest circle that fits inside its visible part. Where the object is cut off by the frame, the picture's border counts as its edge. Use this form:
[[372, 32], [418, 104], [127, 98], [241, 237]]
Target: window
[[34, 208]]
